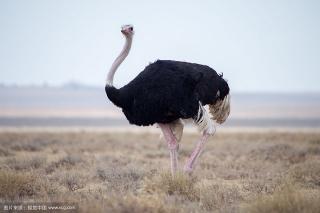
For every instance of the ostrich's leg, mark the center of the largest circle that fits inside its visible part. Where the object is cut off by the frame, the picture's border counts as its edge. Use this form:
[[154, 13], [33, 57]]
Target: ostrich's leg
[[196, 153], [207, 126], [172, 146]]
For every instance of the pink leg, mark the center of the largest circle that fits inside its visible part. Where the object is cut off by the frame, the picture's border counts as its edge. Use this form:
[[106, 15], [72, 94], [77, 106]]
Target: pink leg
[[196, 153], [172, 146]]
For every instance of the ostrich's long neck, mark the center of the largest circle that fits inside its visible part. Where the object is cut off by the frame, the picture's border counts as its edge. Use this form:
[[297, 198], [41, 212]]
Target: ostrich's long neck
[[124, 53]]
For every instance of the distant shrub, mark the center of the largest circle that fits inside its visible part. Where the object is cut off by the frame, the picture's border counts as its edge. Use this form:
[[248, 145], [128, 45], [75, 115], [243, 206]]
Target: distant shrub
[[4, 152], [68, 162], [279, 152], [315, 141], [24, 163]]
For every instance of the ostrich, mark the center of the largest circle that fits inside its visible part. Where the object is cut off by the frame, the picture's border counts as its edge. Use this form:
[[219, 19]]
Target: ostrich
[[169, 92]]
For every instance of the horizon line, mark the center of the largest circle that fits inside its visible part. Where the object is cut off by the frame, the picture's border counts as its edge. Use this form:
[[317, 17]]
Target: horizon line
[[77, 84]]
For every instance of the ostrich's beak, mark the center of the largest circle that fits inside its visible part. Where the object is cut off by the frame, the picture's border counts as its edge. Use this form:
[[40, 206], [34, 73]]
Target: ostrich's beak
[[124, 31]]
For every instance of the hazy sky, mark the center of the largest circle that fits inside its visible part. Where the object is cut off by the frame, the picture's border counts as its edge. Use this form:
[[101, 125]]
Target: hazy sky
[[269, 45]]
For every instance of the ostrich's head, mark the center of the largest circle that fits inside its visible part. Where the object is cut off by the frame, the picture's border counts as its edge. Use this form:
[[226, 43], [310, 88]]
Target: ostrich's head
[[127, 30]]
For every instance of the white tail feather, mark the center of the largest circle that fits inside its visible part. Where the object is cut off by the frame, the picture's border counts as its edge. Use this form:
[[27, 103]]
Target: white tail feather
[[205, 124], [219, 113], [220, 110]]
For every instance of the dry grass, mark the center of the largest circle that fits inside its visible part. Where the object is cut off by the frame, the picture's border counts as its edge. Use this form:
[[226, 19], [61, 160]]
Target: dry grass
[[14, 185], [25, 163], [219, 196], [121, 172], [180, 185], [290, 199], [17, 186], [121, 179], [307, 174]]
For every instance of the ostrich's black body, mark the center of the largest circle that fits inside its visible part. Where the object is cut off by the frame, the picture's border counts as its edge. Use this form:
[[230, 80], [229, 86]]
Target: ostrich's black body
[[167, 90]]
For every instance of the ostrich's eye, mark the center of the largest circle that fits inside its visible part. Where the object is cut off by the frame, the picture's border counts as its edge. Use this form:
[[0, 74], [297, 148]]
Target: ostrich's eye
[[131, 28]]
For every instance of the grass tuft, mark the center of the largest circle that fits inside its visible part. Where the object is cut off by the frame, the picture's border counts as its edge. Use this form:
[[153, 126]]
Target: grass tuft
[[307, 174], [4, 152], [181, 184], [287, 200], [16, 185], [24, 163], [70, 160], [218, 196], [72, 180], [121, 179], [128, 203]]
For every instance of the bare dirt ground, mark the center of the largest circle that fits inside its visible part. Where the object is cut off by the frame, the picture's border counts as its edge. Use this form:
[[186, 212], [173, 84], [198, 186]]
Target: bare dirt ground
[[265, 171]]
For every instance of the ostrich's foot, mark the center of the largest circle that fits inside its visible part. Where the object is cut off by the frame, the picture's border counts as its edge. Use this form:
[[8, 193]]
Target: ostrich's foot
[[172, 146], [190, 164]]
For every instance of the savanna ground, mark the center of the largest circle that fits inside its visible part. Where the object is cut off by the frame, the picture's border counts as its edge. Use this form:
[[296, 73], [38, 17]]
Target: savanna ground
[[265, 171]]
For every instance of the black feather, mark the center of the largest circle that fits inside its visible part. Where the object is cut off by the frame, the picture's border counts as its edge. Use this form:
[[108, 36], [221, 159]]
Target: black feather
[[167, 90]]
